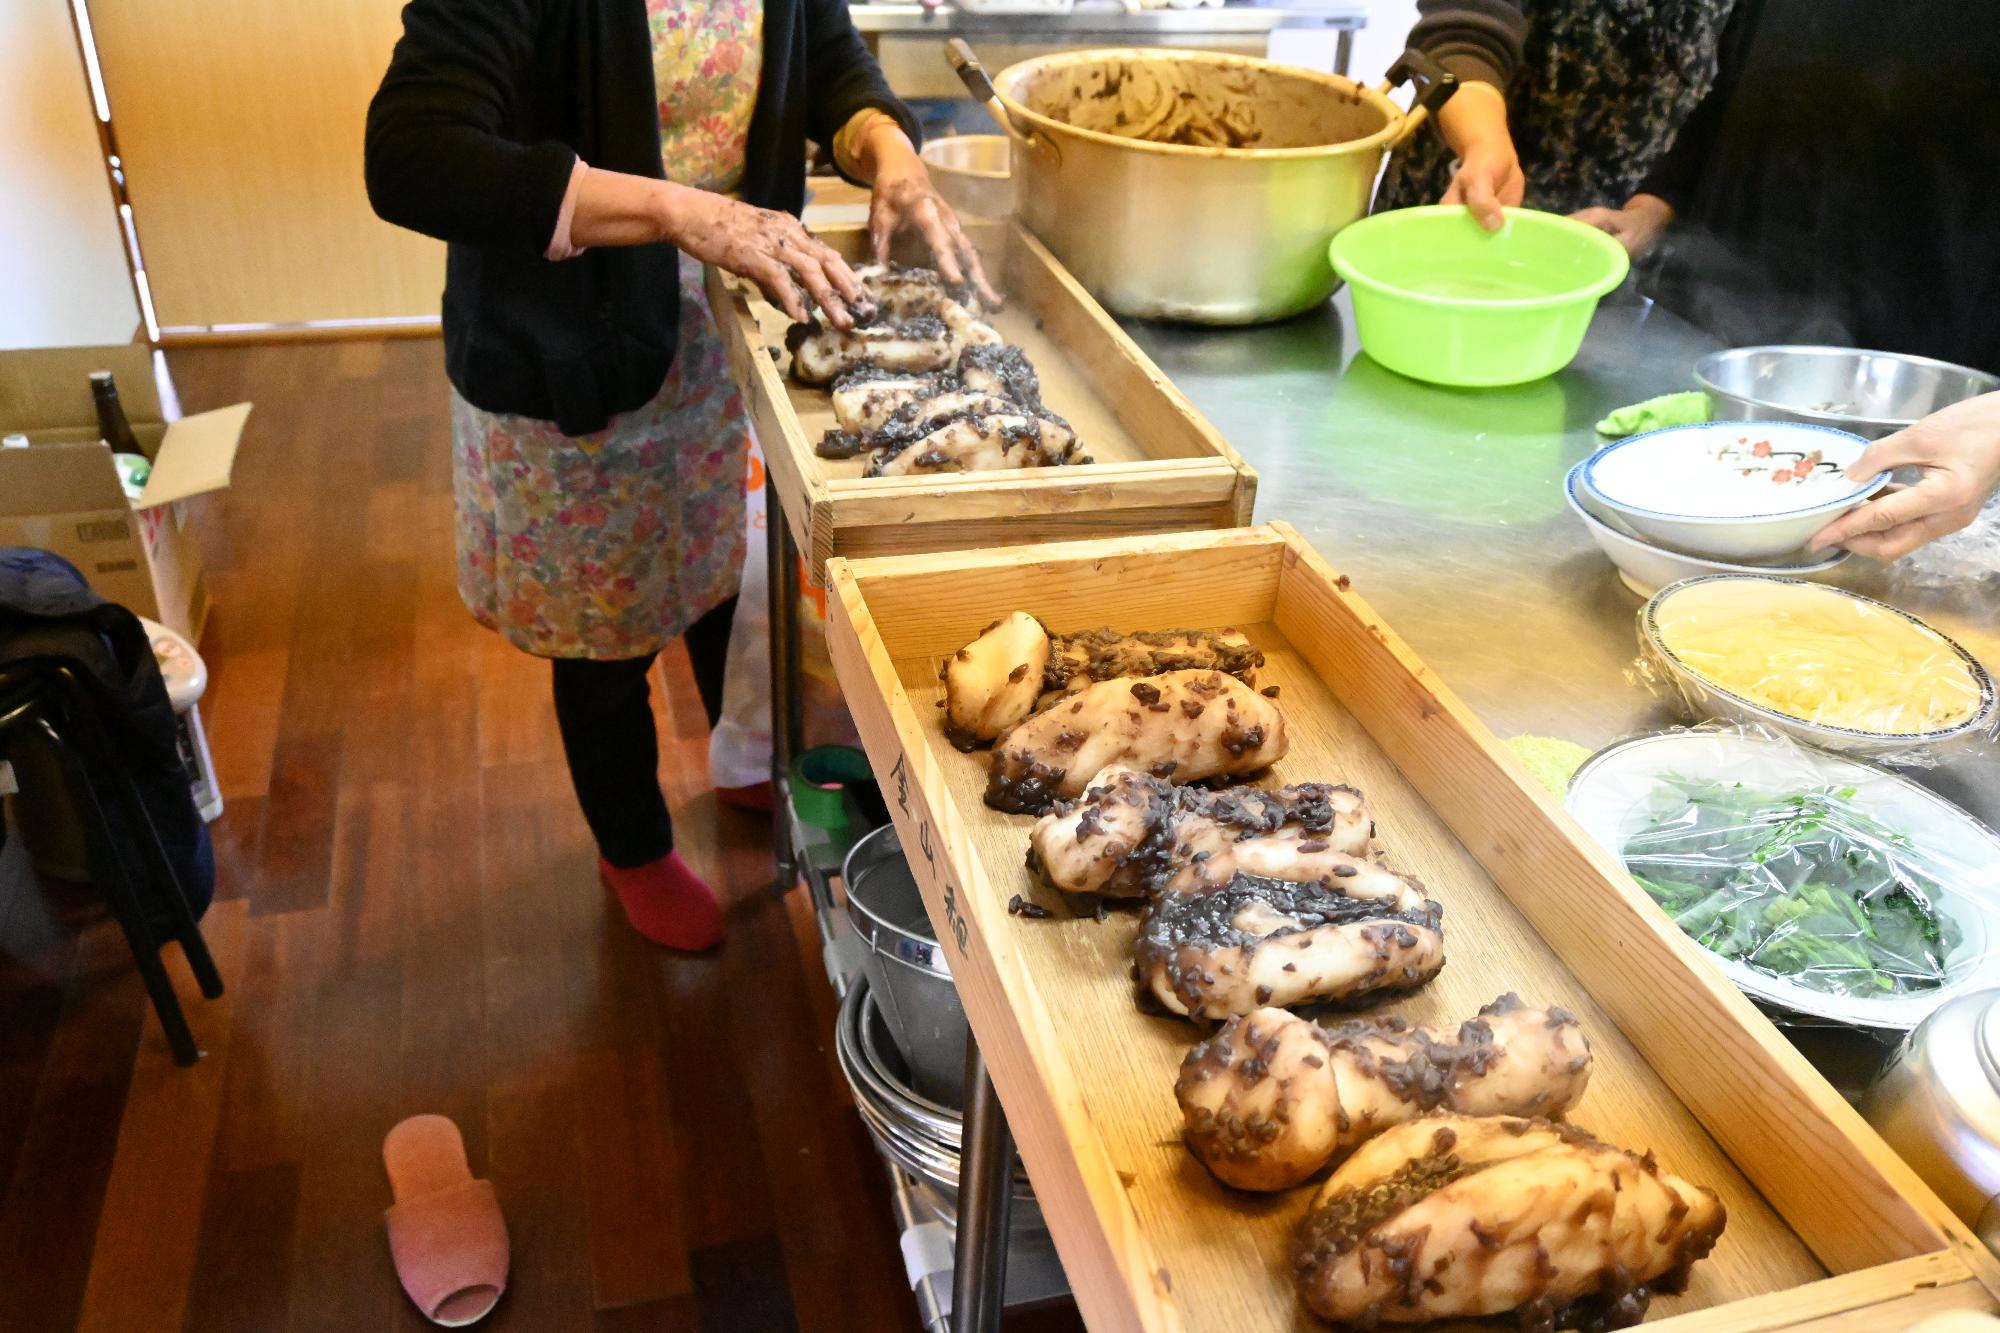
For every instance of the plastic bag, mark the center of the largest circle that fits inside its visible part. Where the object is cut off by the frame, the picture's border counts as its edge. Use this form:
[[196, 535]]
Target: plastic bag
[[1827, 887], [823, 708], [739, 748], [1828, 667], [1967, 557], [1795, 883]]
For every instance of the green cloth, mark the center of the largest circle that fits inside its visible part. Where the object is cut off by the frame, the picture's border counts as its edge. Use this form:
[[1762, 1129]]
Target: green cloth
[[133, 470], [1551, 761], [1669, 409]]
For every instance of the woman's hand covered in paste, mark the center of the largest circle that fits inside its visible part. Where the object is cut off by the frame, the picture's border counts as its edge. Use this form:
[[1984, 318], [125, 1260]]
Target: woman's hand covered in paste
[[905, 200], [772, 249]]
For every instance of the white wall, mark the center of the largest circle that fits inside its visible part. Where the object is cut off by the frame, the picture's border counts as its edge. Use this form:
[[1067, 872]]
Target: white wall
[[63, 280], [1375, 46]]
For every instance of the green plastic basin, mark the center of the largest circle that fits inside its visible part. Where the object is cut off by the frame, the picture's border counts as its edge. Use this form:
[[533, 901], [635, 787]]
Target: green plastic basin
[[1439, 298]]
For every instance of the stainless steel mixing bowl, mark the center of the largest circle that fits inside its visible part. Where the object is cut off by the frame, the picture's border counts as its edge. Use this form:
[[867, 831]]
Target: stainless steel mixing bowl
[[907, 969], [1870, 393], [1939, 1106], [973, 173]]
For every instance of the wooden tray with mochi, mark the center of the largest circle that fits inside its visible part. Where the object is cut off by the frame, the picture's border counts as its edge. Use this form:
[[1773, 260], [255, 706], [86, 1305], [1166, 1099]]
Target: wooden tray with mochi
[[1826, 1227], [1158, 465]]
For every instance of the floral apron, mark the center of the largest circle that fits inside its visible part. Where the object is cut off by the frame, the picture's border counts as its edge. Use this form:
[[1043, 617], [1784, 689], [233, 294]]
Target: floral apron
[[608, 545]]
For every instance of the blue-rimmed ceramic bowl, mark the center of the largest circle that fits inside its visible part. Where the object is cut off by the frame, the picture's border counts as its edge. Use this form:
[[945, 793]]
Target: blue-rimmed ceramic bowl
[[1730, 490], [1646, 568]]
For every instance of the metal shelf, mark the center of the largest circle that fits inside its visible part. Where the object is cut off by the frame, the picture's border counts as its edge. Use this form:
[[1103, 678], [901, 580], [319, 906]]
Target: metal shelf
[[987, 1273]]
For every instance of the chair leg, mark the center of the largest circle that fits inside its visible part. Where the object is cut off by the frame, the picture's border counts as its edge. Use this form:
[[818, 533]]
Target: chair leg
[[181, 916], [116, 883], [160, 868]]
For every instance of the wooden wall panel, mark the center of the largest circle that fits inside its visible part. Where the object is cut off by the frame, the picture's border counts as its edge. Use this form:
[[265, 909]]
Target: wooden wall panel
[[241, 126], [65, 283]]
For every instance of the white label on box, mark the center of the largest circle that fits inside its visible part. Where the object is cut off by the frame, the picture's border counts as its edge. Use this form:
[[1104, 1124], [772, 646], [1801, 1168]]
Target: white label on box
[[103, 530]]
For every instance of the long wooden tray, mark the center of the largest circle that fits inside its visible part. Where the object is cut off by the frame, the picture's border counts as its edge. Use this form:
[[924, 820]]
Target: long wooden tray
[[1160, 466], [1825, 1222]]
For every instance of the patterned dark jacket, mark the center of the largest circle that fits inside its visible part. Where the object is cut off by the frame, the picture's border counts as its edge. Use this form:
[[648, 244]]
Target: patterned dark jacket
[[1596, 89]]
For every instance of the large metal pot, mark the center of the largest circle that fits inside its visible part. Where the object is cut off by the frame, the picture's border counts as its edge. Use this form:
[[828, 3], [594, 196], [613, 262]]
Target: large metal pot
[[1193, 185]]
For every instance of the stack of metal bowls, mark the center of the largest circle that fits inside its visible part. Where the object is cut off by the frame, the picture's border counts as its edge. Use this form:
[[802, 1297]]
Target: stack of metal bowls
[[920, 1135], [901, 1039], [906, 969]]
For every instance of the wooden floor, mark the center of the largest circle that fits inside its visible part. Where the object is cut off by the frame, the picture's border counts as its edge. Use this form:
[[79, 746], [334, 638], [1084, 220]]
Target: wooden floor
[[409, 920]]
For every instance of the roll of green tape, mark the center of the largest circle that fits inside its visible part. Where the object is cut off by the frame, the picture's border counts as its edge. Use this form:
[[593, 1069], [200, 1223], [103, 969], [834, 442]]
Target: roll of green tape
[[819, 783]]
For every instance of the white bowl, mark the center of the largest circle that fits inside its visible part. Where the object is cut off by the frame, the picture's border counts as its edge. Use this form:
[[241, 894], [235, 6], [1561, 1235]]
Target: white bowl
[[1705, 491], [1646, 568], [1710, 700], [1610, 796]]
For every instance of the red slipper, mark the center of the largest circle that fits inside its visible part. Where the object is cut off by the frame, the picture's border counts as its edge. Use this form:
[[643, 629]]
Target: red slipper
[[666, 902], [446, 1233], [756, 796]]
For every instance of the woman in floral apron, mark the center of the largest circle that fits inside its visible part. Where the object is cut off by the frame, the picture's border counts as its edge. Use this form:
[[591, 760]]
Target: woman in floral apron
[[584, 158]]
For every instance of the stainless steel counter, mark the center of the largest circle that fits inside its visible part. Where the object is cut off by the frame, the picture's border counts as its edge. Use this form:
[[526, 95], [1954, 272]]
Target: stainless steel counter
[[1107, 19], [1446, 508]]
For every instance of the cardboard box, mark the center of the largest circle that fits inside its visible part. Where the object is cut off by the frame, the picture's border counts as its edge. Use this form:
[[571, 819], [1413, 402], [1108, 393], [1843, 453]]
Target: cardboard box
[[62, 494]]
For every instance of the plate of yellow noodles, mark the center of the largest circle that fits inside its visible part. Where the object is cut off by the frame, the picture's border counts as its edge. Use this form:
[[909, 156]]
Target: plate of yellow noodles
[[1830, 667]]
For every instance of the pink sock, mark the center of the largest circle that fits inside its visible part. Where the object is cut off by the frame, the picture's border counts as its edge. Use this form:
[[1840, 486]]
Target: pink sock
[[667, 902]]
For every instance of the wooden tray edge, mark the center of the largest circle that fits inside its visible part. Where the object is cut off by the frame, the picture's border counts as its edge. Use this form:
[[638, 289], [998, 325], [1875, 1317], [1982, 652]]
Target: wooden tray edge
[[779, 436], [1069, 1165], [1051, 270], [1894, 1295]]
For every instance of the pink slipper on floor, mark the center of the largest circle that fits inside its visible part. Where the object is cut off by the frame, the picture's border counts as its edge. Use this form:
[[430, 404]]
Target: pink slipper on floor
[[446, 1233]]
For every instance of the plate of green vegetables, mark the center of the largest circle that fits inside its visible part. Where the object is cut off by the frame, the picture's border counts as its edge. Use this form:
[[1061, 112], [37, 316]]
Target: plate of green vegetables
[[1825, 888]]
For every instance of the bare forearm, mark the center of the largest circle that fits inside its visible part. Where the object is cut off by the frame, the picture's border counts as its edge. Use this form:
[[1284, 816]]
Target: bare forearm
[[875, 146], [613, 208], [1637, 226], [1654, 209], [1487, 179], [1475, 116]]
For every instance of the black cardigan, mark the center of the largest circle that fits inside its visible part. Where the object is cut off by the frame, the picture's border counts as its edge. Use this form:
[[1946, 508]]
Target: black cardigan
[[1836, 185], [472, 136]]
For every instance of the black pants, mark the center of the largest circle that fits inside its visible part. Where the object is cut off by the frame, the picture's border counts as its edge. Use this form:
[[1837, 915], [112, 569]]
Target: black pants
[[606, 719]]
